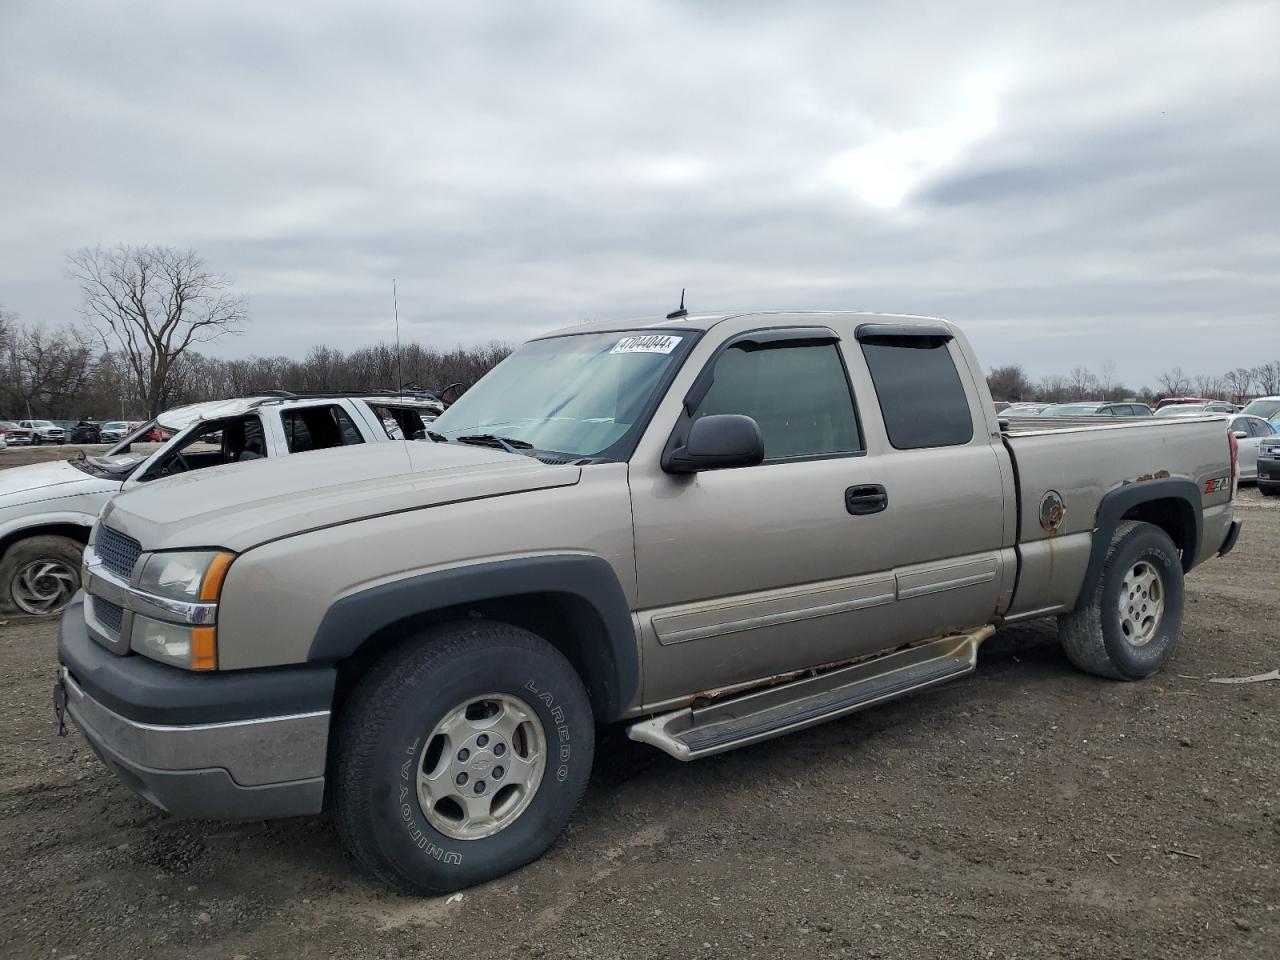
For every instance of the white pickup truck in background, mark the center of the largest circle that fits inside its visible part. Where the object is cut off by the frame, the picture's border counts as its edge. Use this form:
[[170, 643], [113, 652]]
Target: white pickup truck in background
[[46, 509]]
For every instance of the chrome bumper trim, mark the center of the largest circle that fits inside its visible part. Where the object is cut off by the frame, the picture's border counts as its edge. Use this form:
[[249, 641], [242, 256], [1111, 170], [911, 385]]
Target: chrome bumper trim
[[253, 752]]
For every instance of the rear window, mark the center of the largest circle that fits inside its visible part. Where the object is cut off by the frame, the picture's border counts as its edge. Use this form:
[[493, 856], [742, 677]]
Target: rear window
[[318, 428], [920, 392]]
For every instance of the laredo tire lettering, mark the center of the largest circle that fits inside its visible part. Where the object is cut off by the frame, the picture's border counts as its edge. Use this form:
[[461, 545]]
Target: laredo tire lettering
[[563, 738]]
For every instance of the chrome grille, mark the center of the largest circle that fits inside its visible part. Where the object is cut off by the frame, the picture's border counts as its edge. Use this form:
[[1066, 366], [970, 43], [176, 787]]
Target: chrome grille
[[110, 615], [117, 552]]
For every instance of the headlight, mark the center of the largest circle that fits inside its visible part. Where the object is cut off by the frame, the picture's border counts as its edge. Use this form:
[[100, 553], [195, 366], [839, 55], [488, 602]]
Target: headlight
[[194, 577], [186, 585], [192, 648]]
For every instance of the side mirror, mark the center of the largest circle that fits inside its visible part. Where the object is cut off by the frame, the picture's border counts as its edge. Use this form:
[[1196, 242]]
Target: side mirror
[[718, 442], [1240, 434]]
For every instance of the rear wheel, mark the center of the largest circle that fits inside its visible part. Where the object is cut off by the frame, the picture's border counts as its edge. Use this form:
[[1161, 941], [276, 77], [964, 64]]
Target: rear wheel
[[1128, 625], [461, 756], [40, 575], [1268, 490]]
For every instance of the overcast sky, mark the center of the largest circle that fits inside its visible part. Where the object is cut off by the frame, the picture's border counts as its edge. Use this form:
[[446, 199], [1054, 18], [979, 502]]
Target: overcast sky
[[1071, 183]]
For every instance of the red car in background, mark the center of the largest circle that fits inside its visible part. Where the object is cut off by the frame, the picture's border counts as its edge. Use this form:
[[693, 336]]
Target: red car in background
[[14, 433]]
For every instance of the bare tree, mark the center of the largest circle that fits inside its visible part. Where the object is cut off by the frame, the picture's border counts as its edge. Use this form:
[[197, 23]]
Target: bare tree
[[1267, 377], [1209, 385], [1175, 382], [153, 304], [1238, 382], [1106, 379], [1009, 383], [1081, 382]]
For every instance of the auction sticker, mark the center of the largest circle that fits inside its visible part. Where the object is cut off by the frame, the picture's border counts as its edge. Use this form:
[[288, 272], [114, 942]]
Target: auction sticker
[[651, 343]]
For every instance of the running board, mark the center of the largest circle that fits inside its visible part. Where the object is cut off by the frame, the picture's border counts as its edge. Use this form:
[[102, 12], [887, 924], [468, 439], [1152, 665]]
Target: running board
[[765, 712]]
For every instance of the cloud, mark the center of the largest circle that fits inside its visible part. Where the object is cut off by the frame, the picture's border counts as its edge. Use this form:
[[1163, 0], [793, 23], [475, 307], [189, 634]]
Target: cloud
[[1072, 183]]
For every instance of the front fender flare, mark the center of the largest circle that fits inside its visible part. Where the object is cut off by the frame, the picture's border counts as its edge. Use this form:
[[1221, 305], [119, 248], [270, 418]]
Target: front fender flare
[[613, 662]]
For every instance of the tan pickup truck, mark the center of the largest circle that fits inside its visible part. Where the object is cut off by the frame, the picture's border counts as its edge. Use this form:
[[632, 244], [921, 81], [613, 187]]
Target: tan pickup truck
[[712, 529]]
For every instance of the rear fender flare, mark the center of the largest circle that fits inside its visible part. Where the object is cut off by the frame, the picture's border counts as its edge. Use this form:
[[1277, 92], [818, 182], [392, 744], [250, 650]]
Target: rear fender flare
[[611, 660], [1120, 501]]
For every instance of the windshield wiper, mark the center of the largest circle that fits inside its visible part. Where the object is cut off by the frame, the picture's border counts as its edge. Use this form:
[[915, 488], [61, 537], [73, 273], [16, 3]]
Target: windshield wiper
[[490, 440]]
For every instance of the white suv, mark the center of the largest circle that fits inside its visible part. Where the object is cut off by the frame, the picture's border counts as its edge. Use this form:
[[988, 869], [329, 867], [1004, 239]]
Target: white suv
[[46, 509]]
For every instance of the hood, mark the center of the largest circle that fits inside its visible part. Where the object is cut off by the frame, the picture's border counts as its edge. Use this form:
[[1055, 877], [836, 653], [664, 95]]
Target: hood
[[47, 481], [241, 505]]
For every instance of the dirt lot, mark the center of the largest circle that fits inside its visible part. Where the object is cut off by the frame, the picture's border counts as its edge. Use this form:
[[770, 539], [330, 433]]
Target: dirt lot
[[1027, 811]]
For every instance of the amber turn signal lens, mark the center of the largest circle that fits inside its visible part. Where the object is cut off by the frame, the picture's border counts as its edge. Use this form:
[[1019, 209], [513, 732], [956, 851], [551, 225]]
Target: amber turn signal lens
[[211, 586], [204, 648]]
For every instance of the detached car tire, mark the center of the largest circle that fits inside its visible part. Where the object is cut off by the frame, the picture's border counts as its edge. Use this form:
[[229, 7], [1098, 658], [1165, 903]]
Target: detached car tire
[[1128, 626], [460, 756]]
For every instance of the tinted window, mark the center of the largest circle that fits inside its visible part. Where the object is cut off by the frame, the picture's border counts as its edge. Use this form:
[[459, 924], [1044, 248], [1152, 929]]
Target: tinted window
[[798, 395], [318, 428], [920, 392]]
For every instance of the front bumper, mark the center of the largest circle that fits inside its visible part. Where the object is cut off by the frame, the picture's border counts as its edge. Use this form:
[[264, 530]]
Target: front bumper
[[234, 757]]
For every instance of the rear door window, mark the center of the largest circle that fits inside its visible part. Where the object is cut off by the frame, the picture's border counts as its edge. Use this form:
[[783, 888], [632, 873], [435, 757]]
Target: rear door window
[[318, 428], [921, 395]]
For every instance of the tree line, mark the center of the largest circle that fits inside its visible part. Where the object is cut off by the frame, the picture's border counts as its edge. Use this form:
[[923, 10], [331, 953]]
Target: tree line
[[146, 310], [65, 374], [1082, 383]]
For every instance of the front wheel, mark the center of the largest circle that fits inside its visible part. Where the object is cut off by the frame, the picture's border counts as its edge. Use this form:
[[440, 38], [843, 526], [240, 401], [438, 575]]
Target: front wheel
[[1267, 490], [461, 756], [1127, 627], [40, 575]]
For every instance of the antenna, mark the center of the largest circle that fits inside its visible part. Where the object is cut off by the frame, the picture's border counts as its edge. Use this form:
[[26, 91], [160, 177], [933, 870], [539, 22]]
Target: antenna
[[395, 302], [681, 312]]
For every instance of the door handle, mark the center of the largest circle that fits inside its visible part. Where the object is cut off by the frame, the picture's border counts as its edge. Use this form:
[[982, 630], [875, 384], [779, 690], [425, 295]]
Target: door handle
[[867, 498]]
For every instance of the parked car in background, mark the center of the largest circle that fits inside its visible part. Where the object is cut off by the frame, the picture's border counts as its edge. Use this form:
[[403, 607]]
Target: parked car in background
[[1268, 408], [86, 431], [1097, 408], [113, 431], [1165, 401], [1249, 433], [1200, 409], [44, 431], [1024, 409], [46, 509], [1268, 475], [14, 433], [406, 415], [1001, 405]]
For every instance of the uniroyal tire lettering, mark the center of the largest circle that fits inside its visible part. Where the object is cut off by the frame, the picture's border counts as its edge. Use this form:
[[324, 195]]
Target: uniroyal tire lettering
[[420, 839]]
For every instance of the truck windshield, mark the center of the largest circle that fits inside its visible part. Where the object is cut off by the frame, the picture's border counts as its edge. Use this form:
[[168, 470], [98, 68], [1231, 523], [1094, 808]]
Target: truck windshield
[[581, 395]]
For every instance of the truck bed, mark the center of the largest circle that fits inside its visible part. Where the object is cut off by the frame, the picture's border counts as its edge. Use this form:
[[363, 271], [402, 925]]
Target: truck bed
[[1078, 461]]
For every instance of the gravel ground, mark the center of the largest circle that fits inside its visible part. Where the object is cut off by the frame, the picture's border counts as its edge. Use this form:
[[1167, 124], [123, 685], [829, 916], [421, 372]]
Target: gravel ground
[[1026, 811]]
